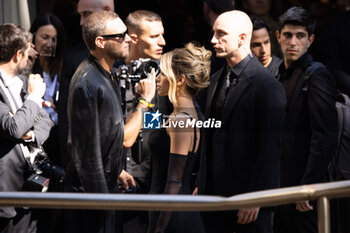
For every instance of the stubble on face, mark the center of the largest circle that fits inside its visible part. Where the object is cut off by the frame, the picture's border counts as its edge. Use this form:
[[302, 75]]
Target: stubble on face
[[151, 40], [116, 48], [229, 30], [21, 66], [220, 37], [294, 41]]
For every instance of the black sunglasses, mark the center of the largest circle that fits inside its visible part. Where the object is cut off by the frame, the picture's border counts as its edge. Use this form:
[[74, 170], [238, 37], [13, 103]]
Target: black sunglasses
[[120, 35]]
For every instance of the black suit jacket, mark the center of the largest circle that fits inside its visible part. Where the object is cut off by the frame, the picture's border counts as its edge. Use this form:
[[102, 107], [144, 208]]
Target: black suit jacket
[[13, 166], [244, 154], [310, 134]]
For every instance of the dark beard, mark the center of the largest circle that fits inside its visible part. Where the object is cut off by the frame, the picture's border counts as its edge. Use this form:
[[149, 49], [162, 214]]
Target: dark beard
[[20, 70], [115, 55]]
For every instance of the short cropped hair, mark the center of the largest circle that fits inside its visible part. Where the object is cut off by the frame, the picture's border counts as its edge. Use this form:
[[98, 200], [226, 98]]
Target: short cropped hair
[[135, 19], [258, 23], [297, 16], [95, 25], [12, 38], [193, 61], [221, 6]]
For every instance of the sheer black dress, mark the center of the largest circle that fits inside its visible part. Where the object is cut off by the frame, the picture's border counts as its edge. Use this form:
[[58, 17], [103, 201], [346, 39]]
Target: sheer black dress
[[159, 143]]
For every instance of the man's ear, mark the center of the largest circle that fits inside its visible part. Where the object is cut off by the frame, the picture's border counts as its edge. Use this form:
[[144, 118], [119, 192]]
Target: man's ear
[[134, 38], [18, 56], [278, 35], [107, 8], [311, 39], [99, 42], [242, 38]]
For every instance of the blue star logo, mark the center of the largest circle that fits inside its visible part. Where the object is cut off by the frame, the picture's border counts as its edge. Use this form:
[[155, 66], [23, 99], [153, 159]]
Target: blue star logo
[[151, 120]]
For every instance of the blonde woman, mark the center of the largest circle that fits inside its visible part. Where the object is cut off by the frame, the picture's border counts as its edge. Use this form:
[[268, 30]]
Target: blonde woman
[[184, 72]]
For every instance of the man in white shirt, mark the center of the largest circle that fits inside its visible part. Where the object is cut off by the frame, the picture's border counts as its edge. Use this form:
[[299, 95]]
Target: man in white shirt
[[22, 121]]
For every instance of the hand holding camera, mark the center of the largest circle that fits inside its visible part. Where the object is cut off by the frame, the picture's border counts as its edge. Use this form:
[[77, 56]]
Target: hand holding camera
[[146, 88], [137, 70]]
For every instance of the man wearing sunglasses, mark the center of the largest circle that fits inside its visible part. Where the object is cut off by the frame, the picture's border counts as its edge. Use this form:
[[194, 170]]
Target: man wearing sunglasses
[[97, 133], [72, 58]]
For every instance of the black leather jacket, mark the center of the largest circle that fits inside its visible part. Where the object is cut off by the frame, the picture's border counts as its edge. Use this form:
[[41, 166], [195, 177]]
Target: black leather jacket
[[96, 129]]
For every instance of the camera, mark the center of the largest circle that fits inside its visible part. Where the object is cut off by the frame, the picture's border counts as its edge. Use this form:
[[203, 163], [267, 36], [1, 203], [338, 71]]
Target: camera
[[138, 69], [43, 166]]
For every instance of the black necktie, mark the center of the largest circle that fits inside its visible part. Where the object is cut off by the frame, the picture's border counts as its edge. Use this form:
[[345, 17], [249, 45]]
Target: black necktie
[[221, 95], [230, 79]]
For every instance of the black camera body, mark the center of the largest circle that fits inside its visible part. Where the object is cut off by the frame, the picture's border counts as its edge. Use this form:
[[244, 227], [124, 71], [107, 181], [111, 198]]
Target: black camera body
[[42, 165], [138, 69]]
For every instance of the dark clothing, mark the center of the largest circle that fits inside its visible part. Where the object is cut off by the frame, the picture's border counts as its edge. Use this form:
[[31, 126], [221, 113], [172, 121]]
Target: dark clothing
[[224, 83], [217, 222], [243, 155], [334, 49], [96, 131], [159, 143], [138, 159], [310, 134], [288, 219], [13, 166], [274, 65], [72, 58]]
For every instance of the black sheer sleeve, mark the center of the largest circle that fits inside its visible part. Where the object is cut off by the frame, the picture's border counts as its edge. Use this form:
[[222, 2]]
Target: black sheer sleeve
[[176, 169]]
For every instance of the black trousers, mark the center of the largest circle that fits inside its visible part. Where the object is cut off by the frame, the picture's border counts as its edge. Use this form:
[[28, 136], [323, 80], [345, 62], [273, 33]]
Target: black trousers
[[340, 215], [290, 220], [226, 222], [92, 221]]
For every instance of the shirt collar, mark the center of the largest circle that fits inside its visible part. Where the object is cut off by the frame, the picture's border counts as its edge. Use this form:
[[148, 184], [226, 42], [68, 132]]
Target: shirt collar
[[238, 69], [11, 81], [302, 62], [99, 67]]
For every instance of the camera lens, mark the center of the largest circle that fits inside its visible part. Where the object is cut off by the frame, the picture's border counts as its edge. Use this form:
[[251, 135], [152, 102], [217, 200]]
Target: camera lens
[[147, 68]]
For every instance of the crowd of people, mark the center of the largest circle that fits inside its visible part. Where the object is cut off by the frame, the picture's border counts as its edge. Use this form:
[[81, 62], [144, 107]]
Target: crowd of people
[[83, 109]]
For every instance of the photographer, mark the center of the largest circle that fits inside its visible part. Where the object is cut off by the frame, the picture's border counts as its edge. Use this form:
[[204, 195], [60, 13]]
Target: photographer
[[23, 121], [146, 32]]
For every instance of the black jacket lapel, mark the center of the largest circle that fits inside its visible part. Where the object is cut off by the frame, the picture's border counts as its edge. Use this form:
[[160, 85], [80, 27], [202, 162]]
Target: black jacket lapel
[[296, 92], [233, 96], [212, 88]]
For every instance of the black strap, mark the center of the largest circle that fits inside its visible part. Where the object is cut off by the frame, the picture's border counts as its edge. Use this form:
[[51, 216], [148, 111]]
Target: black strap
[[195, 132], [310, 69]]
